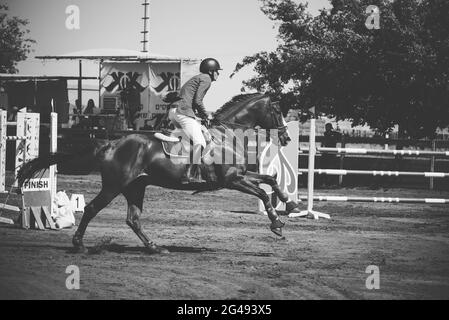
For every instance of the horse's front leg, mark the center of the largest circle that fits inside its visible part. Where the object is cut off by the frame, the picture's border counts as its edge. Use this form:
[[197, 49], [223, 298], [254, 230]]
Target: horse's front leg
[[243, 184], [256, 178], [134, 194], [105, 196]]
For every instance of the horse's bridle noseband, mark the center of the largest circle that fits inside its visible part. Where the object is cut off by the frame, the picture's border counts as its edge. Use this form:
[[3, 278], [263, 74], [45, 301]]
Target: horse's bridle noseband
[[273, 110]]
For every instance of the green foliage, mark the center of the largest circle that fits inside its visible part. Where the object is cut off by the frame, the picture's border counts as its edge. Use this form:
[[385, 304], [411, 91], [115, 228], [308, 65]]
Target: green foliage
[[14, 42], [397, 75]]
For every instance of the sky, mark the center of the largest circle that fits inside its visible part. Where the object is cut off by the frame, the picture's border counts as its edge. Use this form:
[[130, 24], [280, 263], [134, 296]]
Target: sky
[[227, 30]]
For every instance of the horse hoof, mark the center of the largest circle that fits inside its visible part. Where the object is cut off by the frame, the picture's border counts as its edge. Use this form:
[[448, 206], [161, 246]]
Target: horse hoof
[[79, 249], [276, 227], [164, 251], [291, 207], [78, 246], [154, 249], [277, 231]]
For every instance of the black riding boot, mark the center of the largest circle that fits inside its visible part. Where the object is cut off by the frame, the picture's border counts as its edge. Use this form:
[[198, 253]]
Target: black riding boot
[[193, 173]]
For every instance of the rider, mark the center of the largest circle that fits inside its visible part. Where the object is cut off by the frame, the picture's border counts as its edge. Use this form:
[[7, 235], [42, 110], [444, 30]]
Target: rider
[[192, 94]]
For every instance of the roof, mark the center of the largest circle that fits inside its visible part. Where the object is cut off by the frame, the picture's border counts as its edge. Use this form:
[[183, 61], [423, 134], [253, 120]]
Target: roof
[[114, 54], [14, 77]]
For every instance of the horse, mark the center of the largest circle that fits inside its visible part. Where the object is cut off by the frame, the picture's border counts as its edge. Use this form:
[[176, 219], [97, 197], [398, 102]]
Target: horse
[[131, 163]]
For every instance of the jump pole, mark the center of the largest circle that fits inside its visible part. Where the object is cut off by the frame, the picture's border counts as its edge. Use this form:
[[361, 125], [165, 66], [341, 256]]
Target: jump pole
[[410, 153], [311, 177], [379, 199], [342, 172], [53, 149]]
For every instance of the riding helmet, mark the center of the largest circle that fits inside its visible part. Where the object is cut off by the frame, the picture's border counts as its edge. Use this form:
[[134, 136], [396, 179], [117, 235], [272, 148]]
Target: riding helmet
[[208, 65]]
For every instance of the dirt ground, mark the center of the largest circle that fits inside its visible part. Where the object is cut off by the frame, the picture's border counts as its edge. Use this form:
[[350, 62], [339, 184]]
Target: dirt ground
[[221, 249]]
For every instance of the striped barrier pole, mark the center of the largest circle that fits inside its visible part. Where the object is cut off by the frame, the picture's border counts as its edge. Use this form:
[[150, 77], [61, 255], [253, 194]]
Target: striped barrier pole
[[377, 199], [412, 153], [338, 172]]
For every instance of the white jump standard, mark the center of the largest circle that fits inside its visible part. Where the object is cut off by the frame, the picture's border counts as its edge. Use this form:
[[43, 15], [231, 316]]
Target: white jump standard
[[311, 171], [37, 196]]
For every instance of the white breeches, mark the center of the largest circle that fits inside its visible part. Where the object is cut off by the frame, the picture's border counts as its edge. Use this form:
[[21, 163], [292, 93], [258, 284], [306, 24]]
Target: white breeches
[[191, 127]]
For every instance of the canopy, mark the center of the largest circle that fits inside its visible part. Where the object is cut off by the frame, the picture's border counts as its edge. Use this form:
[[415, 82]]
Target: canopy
[[115, 54]]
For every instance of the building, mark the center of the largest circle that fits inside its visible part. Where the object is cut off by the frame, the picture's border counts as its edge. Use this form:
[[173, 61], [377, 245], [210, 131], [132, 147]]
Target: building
[[133, 84]]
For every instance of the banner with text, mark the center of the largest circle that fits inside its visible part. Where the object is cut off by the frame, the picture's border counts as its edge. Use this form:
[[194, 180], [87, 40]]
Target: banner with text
[[164, 78], [124, 86]]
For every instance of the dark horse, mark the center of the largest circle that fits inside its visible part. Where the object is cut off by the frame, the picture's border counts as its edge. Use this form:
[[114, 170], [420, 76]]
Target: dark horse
[[131, 163]]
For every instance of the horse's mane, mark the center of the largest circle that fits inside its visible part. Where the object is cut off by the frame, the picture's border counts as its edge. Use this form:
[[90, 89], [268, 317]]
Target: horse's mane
[[234, 103]]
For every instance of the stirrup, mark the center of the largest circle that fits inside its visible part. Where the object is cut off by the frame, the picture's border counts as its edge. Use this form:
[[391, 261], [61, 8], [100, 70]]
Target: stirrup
[[187, 178]]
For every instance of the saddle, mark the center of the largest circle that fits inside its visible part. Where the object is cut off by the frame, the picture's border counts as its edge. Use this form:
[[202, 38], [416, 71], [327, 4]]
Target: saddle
[[177, 147], [173, 143]]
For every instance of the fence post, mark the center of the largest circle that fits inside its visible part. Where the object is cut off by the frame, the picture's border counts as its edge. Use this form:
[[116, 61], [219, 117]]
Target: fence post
[[432, 164], [3, 128], [342, 160]]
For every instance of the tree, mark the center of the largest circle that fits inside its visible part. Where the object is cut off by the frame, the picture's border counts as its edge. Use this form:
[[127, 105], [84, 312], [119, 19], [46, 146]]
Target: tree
[[396, 75], [14, 42]]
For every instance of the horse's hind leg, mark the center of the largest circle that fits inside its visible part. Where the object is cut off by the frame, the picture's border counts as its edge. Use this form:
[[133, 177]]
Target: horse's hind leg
[[244, 185], [90, 211], [290, 205], [134, 194]]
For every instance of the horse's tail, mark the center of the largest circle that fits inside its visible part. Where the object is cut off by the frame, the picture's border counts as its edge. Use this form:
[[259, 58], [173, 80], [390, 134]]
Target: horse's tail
[[35, 167], [86, 160]]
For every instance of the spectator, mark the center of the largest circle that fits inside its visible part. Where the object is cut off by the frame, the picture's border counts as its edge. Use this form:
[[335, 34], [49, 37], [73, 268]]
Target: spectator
[[329, 160], [76, 111], [90, 107], [90, 111], [78, 108], [147, 126], [3, 99], [12, 114]]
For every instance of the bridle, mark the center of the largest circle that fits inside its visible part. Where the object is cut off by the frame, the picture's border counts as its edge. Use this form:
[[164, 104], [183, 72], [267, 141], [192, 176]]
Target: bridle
[[275, 112]]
